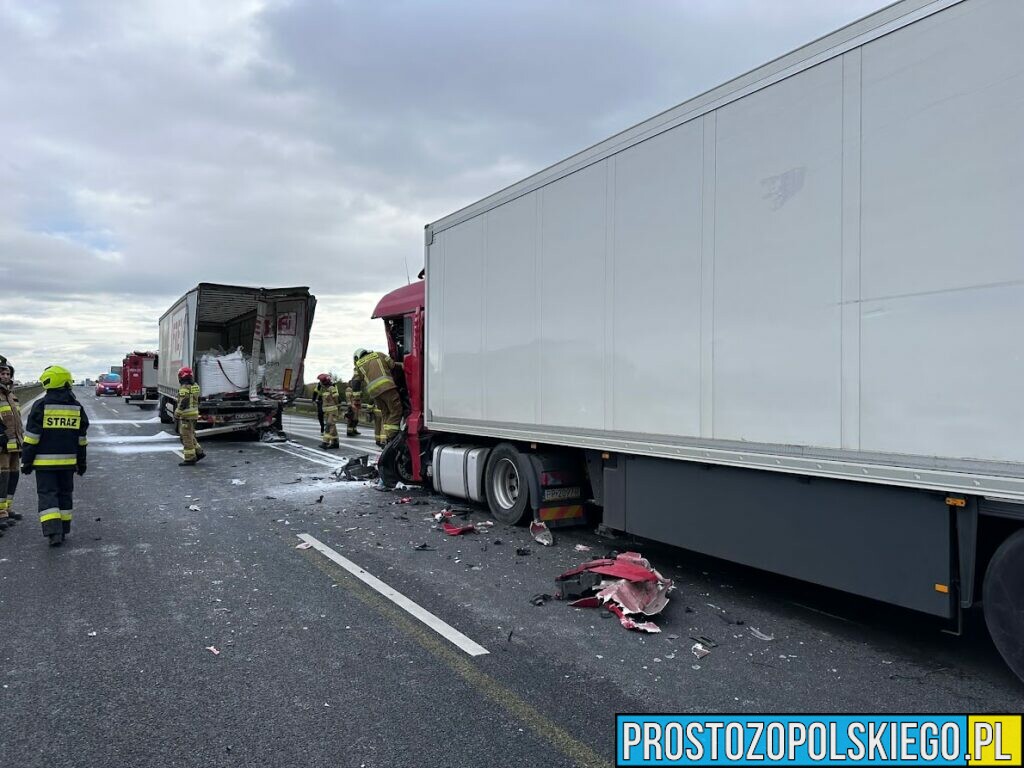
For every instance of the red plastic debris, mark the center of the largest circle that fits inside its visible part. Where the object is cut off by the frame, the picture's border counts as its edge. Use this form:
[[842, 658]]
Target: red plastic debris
[[458, 530], [628, 623], [633, 588]]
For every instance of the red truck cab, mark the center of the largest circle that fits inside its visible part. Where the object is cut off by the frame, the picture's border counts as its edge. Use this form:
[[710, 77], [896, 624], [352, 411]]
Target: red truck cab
[[403, 314]]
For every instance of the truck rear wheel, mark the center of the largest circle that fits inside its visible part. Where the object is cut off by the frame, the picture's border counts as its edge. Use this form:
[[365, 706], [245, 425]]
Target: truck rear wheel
[[506, 484], [165, 417], [1004, 601]]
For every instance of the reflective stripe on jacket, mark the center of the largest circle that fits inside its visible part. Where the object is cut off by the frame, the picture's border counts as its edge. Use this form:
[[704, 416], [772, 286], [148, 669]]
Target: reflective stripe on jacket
[[12, 435], [56, 434], [187, 408], [374, 371]]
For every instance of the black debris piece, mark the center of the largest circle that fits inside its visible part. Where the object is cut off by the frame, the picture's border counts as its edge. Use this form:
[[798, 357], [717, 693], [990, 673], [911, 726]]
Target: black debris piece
[[540, 598], [522, 551]]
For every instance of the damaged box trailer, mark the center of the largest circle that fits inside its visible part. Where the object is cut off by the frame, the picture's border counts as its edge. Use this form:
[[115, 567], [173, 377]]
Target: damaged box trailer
[[776, 324], [246, 346]]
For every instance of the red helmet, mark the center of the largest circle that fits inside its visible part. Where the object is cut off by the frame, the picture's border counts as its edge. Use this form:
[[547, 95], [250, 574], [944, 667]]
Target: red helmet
[[324, 378], [183, 372]]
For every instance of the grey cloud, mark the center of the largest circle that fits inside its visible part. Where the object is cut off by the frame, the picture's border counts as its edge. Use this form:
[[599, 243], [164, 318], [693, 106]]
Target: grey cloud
[[150, 146]]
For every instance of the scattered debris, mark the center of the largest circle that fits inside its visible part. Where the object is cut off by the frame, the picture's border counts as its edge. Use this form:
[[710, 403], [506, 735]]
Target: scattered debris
[[213, 649], [356, 468], [236, 481], [759, 634], [581, 548], [403, 487], [320, 500], [699, 650], [194, 508], [304, 545], [98, 519], [703, 640], [540, 598], [458, 530], [628, 623], [92, 634], [522, 551], [625, 585], [424, 547], [541, 534], [412, 501], [497, 542]]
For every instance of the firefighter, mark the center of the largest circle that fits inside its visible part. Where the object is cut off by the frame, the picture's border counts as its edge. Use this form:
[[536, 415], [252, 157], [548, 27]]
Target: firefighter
[[351, 414], [328, 391], [372, 377], [187, 414], [11, 441], [55, 445], [315, 397]]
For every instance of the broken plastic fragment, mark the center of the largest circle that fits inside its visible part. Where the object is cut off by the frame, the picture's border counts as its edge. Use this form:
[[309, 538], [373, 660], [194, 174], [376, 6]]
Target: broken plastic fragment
[[699, 650], [541, 534], [581, 548], [628, 623], [213, 649], [304, 545], [236, 481], [194, 508], [759, 634], [458, 530]]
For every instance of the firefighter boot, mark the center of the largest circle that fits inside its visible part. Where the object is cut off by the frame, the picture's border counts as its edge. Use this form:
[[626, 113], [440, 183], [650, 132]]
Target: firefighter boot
[[56, 539], [187, 463]]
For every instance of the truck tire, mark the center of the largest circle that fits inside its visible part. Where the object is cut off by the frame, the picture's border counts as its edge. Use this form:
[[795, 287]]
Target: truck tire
[[395, 463], [506, 484], [1003, 601], [165, 418]]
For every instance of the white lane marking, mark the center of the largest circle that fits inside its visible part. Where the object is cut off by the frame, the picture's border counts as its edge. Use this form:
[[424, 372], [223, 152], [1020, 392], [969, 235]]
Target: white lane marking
[[446, 631], [323, 462]]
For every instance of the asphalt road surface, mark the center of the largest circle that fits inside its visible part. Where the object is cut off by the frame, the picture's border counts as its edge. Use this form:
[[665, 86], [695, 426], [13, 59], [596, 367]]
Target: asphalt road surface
[[160, 635]]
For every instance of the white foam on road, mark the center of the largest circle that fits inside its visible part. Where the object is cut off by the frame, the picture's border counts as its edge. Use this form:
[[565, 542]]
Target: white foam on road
[[135, 422], [159, 437], [415, 610]]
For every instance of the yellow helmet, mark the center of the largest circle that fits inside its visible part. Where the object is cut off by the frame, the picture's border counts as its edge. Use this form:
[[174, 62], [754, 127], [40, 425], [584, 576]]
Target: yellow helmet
[[55, 377]]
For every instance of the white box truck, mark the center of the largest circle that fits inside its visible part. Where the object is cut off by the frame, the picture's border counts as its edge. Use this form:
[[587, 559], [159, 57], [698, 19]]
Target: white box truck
[[778, 324], [246, 346]]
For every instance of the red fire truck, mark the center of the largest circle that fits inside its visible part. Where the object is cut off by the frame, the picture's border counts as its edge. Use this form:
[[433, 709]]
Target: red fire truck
[[138, 378]]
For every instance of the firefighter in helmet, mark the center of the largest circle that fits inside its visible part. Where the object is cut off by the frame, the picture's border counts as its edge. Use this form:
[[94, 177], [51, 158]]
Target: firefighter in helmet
[[12, 437], [351, 414], [373, 378], [327, 391], [187, 414], [55, 448]]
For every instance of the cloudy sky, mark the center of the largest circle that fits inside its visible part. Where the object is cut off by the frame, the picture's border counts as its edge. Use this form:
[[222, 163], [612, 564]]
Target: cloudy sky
[[149, 145]]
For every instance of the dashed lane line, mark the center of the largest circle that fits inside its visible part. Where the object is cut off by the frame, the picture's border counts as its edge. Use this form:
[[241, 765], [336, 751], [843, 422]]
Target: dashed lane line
[[447, 631]]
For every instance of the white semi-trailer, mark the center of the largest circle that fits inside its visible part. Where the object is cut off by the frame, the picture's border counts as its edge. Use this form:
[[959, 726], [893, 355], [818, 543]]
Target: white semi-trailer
[[778, 324]]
